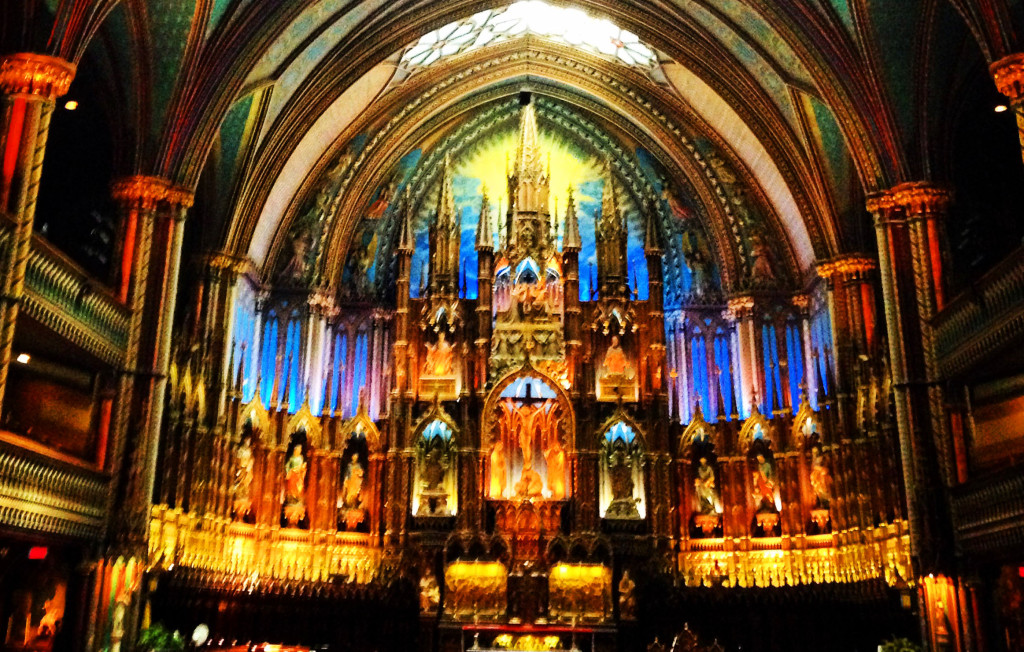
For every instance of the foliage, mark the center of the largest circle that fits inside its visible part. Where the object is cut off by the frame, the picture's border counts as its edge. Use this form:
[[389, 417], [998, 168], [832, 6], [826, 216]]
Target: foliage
[[900, 645], [159, 639]]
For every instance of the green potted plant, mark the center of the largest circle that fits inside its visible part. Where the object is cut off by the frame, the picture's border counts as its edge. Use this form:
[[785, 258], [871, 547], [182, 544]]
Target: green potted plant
[[900, 645], [157, 638]]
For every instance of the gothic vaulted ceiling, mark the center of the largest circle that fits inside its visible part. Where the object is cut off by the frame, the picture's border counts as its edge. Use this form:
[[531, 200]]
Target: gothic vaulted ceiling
[[760, 122]]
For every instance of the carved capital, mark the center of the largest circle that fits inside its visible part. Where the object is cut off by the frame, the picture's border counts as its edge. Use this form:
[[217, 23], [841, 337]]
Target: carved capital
[[147, 192], [849, 266], [143, 191], [801, 302], [1008, 74], [180, 198], [911, 199], [741, 306], [922, 198], [28, 73]]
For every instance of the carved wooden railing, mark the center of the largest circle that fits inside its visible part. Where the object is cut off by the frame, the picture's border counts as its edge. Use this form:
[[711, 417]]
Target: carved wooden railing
[[65, 298], [983, 319], [46, 495], [62, 296], [988, 512]]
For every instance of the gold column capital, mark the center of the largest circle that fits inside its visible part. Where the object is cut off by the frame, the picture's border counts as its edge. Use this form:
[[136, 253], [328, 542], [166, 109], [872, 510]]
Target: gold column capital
[[178, 197], [1008, 74], [28, 73], [740, 306], [847, 265], [801, 302], [912, 198], [148, 191]]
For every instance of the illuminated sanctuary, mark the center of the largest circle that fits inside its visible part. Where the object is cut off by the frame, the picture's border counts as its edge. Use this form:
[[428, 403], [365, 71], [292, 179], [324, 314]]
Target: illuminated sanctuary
[[684, 326]]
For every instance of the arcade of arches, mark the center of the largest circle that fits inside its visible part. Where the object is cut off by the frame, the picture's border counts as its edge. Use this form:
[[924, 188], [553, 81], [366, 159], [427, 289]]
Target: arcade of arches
[[511, 325]]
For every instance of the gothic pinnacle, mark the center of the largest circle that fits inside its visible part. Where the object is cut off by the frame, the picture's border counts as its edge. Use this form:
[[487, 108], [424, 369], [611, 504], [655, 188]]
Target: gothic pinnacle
[[571, 239], [484, 239]]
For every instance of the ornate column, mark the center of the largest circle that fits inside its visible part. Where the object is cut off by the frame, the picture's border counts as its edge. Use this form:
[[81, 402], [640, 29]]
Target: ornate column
[[906, 219], [741, 310], [1008, 74], [29, 84]]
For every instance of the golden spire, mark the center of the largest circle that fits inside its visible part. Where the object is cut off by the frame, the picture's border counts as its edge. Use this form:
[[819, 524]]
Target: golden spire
[[609, 203], [484, 240], [446, 198], [529, 165], [405, 239], [571, 239]]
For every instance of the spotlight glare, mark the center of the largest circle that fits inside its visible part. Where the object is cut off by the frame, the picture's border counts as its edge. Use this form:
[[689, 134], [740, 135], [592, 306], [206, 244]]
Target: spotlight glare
[[71, 105], [23, 358], [1000, 108]]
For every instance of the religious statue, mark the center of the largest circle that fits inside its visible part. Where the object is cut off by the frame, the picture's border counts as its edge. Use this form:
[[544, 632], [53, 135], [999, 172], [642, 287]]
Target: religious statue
[[764, 484], [615, 363], [498, 470], [530, 484], [295, 487], [352, 485], [430, 593], [627, 601], [820, 479], [620, 475], [439, 357], [433, 495], [554, 455], [241, 486], [704, 488]]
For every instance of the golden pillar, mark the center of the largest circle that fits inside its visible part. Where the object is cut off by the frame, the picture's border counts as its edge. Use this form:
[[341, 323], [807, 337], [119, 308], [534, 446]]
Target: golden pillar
[[1008, 74], [29, 85], [907, 223]]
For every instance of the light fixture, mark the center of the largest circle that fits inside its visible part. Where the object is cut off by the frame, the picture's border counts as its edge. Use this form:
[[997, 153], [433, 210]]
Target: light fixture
[[1000, 108], [23, 358], [71, 105]]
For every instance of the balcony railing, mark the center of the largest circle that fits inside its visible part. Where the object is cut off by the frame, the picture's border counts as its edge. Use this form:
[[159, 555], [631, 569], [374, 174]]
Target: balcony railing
[[62, 296], [984, 319], [46, 495], [988, 513]]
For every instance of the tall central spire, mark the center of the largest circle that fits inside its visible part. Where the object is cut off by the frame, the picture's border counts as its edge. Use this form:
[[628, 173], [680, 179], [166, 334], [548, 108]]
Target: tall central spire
[[528, 182], [529, 166]]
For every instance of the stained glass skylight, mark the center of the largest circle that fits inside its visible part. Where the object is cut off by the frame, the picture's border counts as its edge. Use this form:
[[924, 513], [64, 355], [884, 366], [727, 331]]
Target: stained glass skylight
[[567, 25]]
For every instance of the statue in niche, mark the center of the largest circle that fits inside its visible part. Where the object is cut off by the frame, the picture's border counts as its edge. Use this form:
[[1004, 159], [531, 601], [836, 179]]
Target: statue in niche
[[498, 471], [618, 377], [352, 485], [620, 475], [295, 487], [241, 486], [765, 484], [430, 593], [439, 357], [433, 495], [704, 488], [820, 478], [554, 455], [615, 363], [530, 484], [627, 601]]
